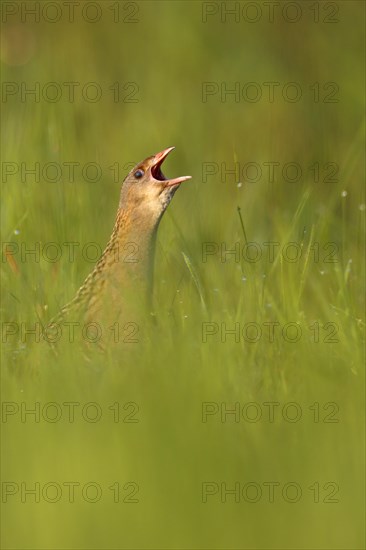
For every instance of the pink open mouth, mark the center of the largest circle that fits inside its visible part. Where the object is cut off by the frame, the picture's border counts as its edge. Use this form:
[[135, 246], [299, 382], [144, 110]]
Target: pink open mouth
[[158, 175]]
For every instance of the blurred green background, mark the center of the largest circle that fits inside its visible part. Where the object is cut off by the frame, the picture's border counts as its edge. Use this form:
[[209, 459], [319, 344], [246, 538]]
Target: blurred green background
[[160, 57]]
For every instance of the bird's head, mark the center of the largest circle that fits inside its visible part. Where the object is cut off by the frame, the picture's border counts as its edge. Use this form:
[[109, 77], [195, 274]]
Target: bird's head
[[146, 189]]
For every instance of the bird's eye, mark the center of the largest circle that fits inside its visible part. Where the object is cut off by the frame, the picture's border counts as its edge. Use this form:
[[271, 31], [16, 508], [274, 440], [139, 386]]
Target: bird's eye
[[138, 174]]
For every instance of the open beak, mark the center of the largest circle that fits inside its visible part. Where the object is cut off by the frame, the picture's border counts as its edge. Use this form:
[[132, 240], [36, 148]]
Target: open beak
[[158, 175]]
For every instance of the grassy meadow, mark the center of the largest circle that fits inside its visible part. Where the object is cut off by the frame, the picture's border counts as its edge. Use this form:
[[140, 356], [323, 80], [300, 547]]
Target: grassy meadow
[[236, 419]]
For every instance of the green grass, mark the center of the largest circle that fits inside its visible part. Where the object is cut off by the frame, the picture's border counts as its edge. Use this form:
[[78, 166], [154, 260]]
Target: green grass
[[173, 370]]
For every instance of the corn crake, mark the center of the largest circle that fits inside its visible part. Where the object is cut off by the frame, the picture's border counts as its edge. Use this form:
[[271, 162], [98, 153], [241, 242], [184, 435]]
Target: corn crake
[[120, 286]]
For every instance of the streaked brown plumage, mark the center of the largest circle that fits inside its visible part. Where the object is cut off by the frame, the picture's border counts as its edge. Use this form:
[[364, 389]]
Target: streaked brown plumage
[[121, 281]]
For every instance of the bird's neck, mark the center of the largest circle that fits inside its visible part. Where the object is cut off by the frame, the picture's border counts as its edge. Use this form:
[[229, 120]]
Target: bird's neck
[[133, 245]]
